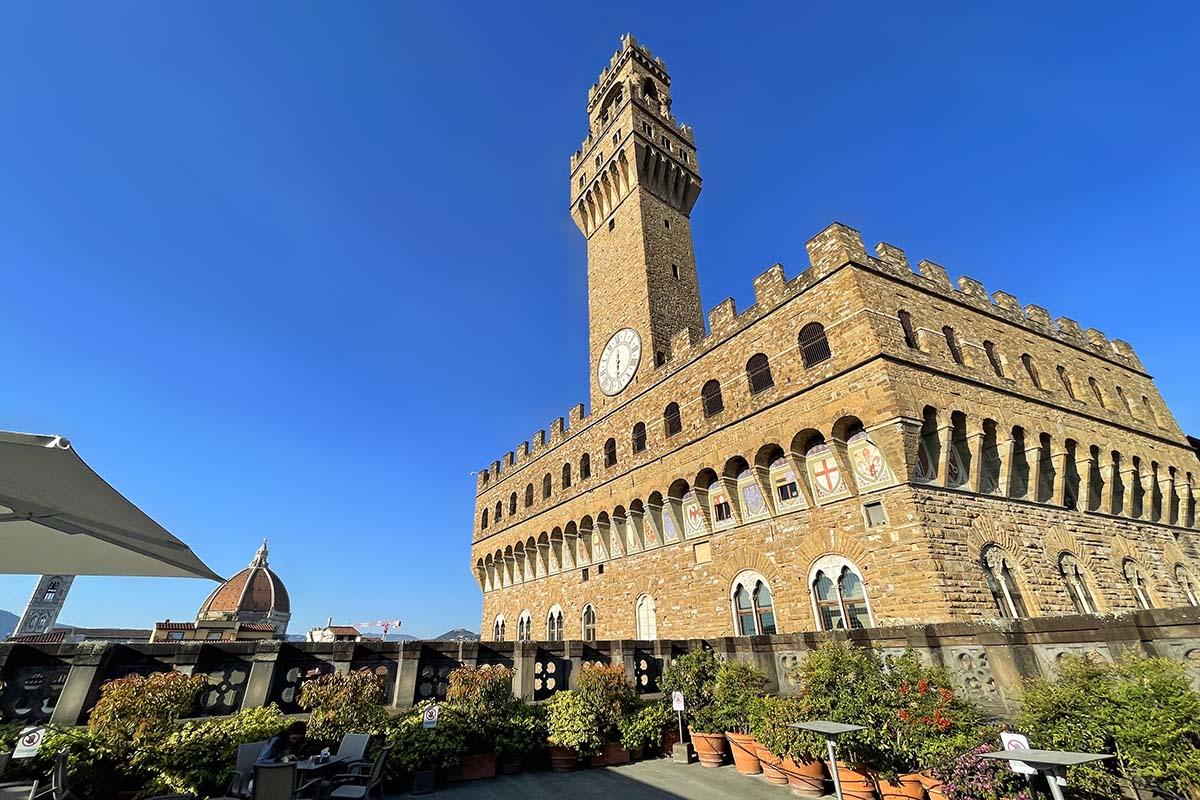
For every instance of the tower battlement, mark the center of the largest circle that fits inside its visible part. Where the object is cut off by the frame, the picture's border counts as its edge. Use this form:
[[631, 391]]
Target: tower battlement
[[832, 249]]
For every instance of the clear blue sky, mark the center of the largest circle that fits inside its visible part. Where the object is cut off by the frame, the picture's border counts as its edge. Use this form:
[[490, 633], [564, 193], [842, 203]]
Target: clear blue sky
[[297, 269]]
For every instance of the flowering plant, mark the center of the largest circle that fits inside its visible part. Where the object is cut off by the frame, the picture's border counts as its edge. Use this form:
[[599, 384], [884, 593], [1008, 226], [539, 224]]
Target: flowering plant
[[973, 777]]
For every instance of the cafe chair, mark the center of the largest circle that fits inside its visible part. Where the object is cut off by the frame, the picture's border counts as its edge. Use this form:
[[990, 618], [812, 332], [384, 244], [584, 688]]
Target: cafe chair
[[247, 754], [357, 786], [354, 748]]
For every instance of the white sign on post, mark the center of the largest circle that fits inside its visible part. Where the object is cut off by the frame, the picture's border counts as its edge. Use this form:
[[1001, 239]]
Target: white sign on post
[[1017, 741], [431, 717], [677, 701], [29, 743]]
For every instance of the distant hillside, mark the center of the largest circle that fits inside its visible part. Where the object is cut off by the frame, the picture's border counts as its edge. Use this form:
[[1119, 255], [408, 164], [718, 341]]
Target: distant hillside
[[456, 634], [8, 623]]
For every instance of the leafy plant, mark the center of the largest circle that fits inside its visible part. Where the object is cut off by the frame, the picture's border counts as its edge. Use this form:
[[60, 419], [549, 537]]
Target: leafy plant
[[1141, 709], [645, 725], [417, 747], [610, 696], [522, 732], [9, 733], [695, 675], [573, 723], [483, 696], [770, 723], [341, 703], [199, 757], [136, 712], [736, 690], [969, 776]]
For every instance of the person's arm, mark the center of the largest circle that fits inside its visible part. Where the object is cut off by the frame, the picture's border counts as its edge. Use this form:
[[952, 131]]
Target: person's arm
[[269, 754]]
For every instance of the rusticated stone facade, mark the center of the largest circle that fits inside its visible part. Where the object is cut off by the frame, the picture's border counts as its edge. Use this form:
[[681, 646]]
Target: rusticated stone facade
[[868, 444]]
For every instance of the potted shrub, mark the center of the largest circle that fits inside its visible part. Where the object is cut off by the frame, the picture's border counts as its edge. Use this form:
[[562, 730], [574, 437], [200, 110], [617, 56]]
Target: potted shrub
[[610, 696], [695, 674], [644, 728], [971, 777], [521, 737], [788, 756], [736, 691], [482, 696], [341, 703], [573, 730], [423, 751]]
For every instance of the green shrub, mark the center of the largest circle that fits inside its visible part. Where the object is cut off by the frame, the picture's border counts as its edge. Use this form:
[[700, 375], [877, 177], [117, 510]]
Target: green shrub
[[695, 675], [610, 696], [341, 703], [200, 756], [483, 697], [769, 723], [736, 691], [573, 723], [1143, 710], [417, 747], [645, 725], [9, 733], [135, 713], [523, 731]]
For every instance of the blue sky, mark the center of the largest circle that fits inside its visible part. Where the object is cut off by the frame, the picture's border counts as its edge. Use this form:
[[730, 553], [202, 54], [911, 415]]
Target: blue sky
[[295, 270]]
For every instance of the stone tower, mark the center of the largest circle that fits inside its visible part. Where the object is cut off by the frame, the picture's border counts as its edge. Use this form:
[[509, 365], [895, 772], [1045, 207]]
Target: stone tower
[[633, 185], [44, 605]]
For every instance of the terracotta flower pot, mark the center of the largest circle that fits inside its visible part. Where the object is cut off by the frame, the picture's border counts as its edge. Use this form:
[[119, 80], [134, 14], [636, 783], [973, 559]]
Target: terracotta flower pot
[[563, 759], [902, 787], [509, 764], [933, 786], [770, 766], [857, 782], [637, 753], [610, 755], [805, 777], [745, 753], [670, 739], [473, 768], [710, 747]]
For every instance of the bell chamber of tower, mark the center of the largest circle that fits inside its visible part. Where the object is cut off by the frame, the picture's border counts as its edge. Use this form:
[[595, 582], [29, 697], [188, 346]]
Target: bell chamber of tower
[[633, 185]]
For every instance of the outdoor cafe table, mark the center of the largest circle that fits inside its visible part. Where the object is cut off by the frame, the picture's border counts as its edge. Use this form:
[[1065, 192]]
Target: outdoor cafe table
[[1053, 763], [310, 768]]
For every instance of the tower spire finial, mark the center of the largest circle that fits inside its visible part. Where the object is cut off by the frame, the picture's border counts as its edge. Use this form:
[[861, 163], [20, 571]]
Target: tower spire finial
[[260, 557]]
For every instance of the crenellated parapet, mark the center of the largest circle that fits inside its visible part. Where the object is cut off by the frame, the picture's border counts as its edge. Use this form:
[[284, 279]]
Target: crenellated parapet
[[830, 250]]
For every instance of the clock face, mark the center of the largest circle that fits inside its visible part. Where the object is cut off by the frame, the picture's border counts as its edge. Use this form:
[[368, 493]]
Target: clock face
[[619, 361]]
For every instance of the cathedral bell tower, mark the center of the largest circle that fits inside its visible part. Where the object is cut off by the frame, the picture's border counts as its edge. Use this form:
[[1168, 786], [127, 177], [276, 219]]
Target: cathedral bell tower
[[633, 185]]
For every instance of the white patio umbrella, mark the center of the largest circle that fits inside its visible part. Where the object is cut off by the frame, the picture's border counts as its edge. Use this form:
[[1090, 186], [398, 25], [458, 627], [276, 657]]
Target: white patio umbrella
[[57, 516]]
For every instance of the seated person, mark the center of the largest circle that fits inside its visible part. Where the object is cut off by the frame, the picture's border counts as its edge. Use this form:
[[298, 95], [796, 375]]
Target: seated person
[[287, 746]]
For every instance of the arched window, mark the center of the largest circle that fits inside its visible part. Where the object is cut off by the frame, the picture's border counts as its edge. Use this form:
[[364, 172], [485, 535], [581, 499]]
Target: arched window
[[1031, 369], [589, 623], [639, 437], [952, 344], [753, 606], [993, 359], [647, 625], [1096, 391], [758, 371], [1066, 381], [1124, 400], [566, 475], [610, 453], [814, 347], [499, 508], [547, 486], [585, 467], [1077, 588], [528, 495], [671, 419], [838, 594], [710, 395], [525, 627], [906, 325], [498, 629], [1002, 583], [51, 591], [512, 504], [1151, 414], [1138, 583], [483, 522], [1191, 589], [554, 625]]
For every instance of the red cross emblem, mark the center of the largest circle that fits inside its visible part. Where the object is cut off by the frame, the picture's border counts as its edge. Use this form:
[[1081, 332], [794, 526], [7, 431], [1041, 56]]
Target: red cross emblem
[[828, 475]]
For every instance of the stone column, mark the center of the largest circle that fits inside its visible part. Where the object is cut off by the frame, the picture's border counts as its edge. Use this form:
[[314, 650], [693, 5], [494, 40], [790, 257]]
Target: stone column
[[975, 445], [343, 654], [1107, 473], [1005, 449], [1058, 491], [1185, 506], [1084, 468], [1033, 458], [262, 674], [1148, 487], [186, 655], [945, 436], [86, 670], [1132, 483], [524, 657]]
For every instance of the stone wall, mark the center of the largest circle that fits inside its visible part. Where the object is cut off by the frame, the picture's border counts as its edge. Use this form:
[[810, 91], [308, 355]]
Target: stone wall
[[990, 662]]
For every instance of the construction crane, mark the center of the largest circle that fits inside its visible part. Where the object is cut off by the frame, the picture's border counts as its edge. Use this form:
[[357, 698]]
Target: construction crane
[[382, 623]]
